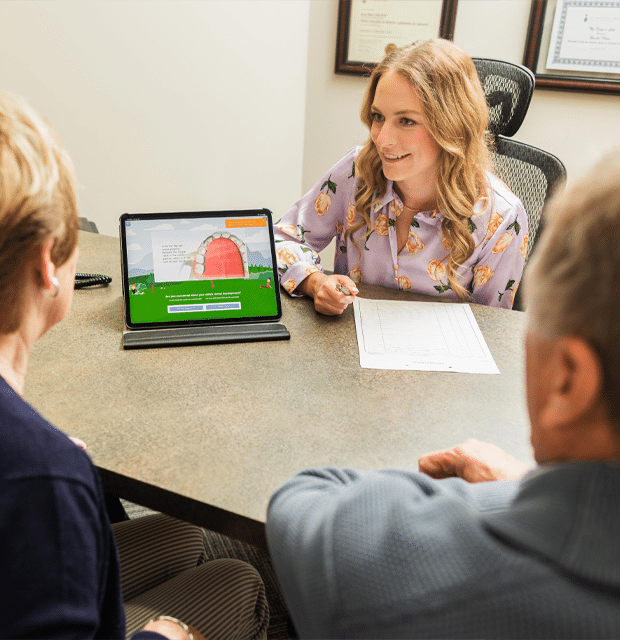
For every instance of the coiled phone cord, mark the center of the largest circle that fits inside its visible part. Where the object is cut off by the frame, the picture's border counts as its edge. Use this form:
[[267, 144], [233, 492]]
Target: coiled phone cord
[[90, 280]]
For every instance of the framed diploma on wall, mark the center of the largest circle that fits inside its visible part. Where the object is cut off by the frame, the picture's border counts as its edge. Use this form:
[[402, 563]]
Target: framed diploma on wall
[[575, 45], [366, 27]]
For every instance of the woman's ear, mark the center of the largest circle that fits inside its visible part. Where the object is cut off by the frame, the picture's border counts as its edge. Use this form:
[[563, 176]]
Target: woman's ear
[[46, 269]]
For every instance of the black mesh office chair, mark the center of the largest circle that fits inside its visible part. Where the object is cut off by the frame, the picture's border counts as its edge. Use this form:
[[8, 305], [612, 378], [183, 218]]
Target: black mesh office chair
[[87, 225], [530, 173]]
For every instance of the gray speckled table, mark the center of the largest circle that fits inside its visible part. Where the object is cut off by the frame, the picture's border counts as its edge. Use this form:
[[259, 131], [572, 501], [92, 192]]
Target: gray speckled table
[[206, 433]]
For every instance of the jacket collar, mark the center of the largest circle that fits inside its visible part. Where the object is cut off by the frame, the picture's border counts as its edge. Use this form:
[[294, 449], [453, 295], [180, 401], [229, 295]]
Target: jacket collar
[[568, 513]]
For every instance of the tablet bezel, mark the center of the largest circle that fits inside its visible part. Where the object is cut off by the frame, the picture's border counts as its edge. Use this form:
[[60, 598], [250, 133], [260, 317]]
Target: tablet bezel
[[160, 217]]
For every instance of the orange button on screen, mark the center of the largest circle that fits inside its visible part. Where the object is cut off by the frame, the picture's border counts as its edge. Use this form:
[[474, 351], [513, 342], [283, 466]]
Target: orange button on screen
[[231, 223]]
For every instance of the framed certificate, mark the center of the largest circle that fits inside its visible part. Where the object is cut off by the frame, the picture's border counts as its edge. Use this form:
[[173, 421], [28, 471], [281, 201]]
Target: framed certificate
[[575, 44], [366, 27]]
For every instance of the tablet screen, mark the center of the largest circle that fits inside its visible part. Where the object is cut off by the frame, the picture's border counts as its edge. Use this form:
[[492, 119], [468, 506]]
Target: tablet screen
[[199, 268]]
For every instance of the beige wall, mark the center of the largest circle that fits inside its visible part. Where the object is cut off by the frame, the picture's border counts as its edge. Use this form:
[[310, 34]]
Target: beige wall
[[207, 104], [166, 105], [577, 127]]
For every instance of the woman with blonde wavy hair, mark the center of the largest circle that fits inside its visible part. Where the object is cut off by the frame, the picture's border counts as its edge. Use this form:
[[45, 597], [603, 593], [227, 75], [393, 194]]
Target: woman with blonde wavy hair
[[417, 207]]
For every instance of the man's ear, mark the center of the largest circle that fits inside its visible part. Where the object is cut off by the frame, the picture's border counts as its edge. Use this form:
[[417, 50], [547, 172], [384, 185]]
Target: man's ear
[[575, 385]]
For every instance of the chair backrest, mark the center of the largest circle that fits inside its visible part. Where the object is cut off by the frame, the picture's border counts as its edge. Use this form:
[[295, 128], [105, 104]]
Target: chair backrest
[[87, 225], [508, 89], [530, 173]]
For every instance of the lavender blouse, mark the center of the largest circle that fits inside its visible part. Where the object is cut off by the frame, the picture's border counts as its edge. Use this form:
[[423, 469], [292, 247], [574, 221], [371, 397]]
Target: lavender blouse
[[492, 273]]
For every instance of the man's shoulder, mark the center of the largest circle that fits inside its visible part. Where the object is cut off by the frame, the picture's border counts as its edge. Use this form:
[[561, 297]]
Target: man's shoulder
[[404, 502], [367, 518], [380, 542], [392, 553]]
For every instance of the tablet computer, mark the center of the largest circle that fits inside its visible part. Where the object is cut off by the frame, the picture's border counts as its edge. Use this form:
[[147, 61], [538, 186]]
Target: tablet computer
[[197, 277]]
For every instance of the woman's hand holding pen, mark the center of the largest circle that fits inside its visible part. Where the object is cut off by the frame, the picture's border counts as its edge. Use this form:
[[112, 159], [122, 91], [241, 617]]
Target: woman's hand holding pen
[[332, 294]]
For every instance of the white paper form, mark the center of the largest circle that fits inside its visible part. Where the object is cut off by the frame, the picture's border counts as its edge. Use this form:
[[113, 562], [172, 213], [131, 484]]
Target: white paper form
[[422, 336]]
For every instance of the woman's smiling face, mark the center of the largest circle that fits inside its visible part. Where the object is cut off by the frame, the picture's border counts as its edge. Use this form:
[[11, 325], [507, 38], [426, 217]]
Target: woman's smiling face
[[408, 152]]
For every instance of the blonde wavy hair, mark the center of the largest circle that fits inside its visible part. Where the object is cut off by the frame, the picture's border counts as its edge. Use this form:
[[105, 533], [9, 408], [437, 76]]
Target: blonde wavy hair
[[38, 201], [445, 80], [572, 280]]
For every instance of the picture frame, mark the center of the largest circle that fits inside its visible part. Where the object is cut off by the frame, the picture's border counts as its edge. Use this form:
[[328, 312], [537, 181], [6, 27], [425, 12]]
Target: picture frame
[[541, 33], [366, 27]]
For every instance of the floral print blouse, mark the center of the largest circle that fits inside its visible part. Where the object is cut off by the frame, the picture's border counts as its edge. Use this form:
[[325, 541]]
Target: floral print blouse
[[492, 273]]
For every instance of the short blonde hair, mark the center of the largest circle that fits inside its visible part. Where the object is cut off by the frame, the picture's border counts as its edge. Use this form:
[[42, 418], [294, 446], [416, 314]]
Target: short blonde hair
[[38, 201], [572, 281], [455, 108]]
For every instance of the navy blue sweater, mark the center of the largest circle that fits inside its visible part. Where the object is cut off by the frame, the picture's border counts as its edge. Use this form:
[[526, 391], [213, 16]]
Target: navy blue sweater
[[60, 573]]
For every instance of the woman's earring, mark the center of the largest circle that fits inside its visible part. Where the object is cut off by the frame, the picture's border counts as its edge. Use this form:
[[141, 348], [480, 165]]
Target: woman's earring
[[54, 281]]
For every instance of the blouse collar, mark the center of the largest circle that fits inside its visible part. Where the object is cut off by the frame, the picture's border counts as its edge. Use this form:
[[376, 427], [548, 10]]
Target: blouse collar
[[392, 195]]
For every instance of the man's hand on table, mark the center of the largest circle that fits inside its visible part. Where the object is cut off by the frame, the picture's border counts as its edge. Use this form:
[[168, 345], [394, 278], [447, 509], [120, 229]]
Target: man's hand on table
[[474, 461]]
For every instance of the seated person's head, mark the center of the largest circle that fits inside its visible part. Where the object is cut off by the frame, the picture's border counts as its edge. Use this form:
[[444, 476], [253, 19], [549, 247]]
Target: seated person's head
[[446, 82], [37, 207], [572, 289]]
